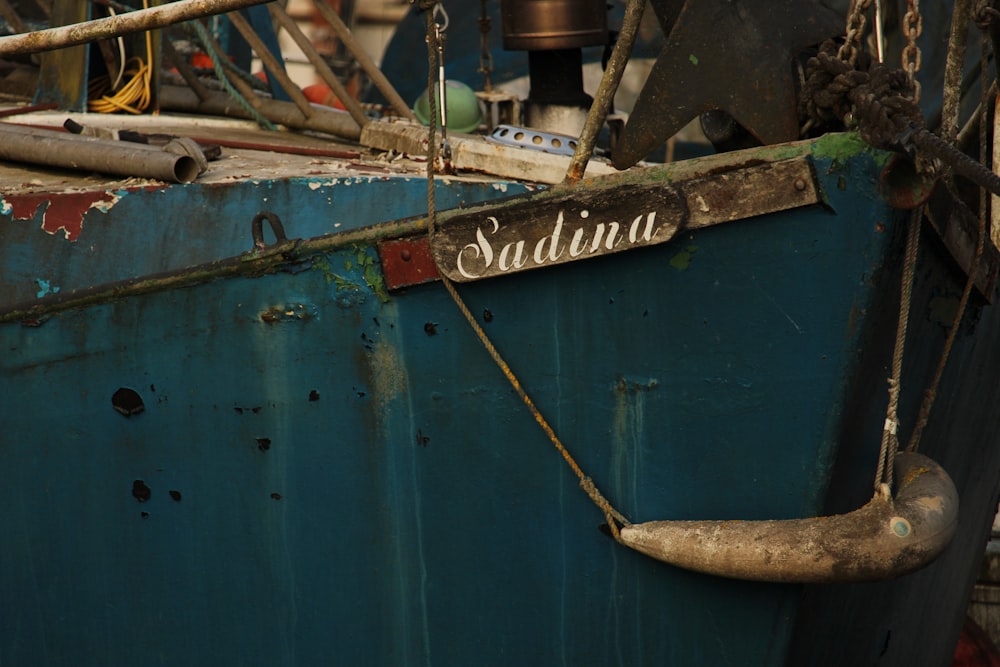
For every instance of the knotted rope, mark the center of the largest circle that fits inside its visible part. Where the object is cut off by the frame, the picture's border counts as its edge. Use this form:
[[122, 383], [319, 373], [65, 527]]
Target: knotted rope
[[878, 102], [876, 99]]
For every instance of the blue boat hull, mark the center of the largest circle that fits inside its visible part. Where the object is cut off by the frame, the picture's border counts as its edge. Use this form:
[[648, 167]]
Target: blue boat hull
[[324, 472]]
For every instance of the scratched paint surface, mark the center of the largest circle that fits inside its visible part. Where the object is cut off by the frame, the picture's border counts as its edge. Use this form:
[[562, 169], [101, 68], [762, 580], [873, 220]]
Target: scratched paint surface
[[317, 472]]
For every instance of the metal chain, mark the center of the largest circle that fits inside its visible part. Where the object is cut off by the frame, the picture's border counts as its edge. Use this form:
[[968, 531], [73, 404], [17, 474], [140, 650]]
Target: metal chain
[[855, 31], [913, 26]]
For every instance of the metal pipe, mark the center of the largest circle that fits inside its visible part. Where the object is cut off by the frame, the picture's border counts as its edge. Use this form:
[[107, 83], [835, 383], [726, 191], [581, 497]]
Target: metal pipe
[[364, 60], [322, 69], [70, 151], [181, 98], [114, 26], [274, 68]]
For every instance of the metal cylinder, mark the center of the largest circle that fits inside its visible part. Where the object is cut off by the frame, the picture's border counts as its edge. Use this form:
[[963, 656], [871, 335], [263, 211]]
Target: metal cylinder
[[182, 98], [53, 149], [532, 25]]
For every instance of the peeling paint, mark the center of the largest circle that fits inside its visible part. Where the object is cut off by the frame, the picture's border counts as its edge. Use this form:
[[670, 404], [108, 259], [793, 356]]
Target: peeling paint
[[60, 212], [45, 288]]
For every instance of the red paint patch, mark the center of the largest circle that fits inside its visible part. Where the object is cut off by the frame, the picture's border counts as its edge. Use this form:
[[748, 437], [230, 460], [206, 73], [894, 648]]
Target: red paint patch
[[25, 206], [407, 262], [62, 212]]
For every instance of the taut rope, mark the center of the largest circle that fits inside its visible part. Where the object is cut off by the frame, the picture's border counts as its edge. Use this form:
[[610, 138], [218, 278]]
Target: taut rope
[[613, 517]]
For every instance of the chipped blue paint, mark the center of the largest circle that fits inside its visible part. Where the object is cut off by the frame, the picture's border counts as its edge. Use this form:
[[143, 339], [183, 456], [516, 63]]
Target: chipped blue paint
[[45, 288]]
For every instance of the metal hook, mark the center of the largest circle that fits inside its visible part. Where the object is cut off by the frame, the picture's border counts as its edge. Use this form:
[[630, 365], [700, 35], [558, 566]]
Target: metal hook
[[257, 229], [440, 17]]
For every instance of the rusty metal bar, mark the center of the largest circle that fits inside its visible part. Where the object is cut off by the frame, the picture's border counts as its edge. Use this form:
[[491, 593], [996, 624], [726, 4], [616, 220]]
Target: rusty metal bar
[[322, 69], [367, 64], [53, 149], [185, 70], [953, 66], [241, 86], [604, 99], [114, 26], [274, 67], [182, 98]]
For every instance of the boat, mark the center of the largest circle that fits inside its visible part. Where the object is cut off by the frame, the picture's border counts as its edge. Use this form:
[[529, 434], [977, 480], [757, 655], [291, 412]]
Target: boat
[[415, 397]]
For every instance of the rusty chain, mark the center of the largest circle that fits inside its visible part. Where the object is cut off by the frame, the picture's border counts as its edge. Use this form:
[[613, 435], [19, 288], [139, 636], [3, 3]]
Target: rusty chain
[[913, 26], [855, 31]]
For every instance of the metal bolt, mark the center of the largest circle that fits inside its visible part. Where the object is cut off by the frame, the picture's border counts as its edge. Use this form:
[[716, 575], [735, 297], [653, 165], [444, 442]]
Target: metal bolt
[[800, 184], [404, 255]]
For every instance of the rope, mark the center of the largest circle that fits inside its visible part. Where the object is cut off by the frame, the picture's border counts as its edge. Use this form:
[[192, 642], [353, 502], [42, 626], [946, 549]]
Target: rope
[[930, 395], [878, 100], [613, 517], [220, 73], [890, 439]]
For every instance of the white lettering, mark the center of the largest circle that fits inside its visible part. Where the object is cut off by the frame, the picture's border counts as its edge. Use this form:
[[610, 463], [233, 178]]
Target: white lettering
[[476, 259], [647, 234], [517, 262], [612, 239], [554, 251], [481, 248], [575, 247]]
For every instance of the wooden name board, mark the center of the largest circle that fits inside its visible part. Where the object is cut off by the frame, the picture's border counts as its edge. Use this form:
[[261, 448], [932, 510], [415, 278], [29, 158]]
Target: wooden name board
[[549, 229]]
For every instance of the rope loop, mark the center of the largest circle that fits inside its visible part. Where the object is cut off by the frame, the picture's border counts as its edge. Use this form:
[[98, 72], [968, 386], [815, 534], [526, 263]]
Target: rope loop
[[875, 98], [984, 14]]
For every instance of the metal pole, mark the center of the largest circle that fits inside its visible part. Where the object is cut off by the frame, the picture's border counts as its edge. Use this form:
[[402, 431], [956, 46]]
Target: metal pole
[[274, 68], [324, 71], [182, 98], [605, 96], [957, 41], [367, 64], [54, 149], [113, 26], [185, 70]]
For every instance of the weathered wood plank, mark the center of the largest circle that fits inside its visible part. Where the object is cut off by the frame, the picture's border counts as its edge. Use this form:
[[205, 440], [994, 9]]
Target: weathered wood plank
[[573, 224]]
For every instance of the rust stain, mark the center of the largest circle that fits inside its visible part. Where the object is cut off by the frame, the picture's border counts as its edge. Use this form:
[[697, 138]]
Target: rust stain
[[913, 474], [60, 212], [407, 262]]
